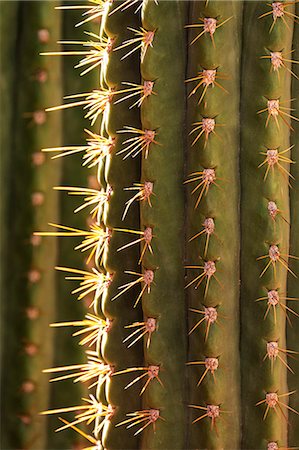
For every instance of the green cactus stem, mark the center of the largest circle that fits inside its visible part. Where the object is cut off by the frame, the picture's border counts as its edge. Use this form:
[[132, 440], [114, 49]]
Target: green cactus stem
[[162, 115], [213, 255], [8, 47], [265, 200], [189, 244], [293, 283], [119, 175], [31, 299], [8, 43], [67, 349]]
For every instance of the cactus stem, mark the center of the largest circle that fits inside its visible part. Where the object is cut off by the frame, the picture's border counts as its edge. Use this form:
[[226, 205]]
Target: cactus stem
[[144, 192], [278, 11], [210, 316], [206, 78], [151, 372], [94, 281], [275, 110], [212, 412], [272, 401], [150, 416], [146, 278], [211, 365], [138, 144], [273, 156], [146, 237], [143, 39], [273, 353], [275, 256], [143, 328], [209, 25]]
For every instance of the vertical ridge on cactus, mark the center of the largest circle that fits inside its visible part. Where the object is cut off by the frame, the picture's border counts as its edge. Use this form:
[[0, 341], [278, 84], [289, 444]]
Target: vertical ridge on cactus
[[215, 293], [266, 90], [31, 293], [193, 137], [293, 284], [120, 173], [163, 165]]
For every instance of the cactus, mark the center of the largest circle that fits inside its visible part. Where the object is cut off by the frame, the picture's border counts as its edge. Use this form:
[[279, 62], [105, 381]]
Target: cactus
[[73, 124], [30, 289], [25, 389], [212, 254], [191, 129], [269, 192], [293, 291]]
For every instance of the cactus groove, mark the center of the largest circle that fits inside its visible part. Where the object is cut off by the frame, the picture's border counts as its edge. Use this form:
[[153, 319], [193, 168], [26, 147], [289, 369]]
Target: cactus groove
[[193, 244], [30, 290]]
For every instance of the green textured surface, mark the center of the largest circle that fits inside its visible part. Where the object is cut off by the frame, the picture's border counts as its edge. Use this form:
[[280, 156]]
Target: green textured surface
[[165, 113], [293, 283], [8, 42], [257, 378], [120, 174], [239, 338], [23, 426], [68, 308], [220, 153]]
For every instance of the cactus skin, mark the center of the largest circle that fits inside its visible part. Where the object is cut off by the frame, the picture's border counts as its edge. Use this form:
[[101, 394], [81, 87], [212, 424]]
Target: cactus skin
[[67, 307], [241, 400], [164, 113], [8, 47], [220, 152], [256, 192], [28, 345], [120, 174], [293, 283]]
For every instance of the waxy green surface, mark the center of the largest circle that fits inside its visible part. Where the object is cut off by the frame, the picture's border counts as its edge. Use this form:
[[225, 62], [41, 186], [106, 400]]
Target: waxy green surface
[[257, 330], [221, 203], [120, 174], [293, 283], [164, 113], [31, 300]]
